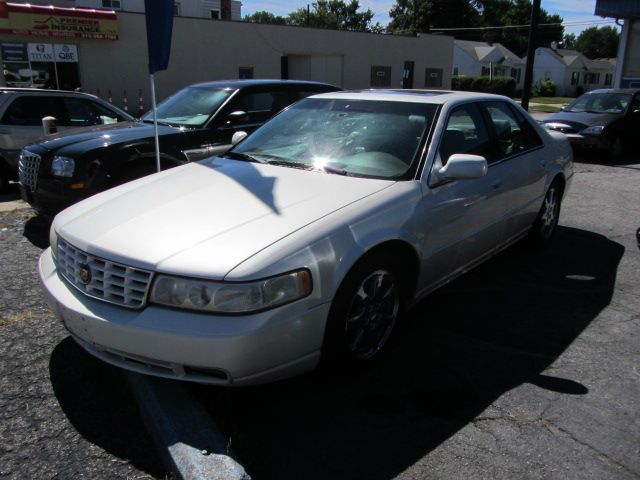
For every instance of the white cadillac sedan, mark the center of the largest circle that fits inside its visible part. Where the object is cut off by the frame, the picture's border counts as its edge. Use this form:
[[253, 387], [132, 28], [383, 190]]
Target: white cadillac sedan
[[306, 241]]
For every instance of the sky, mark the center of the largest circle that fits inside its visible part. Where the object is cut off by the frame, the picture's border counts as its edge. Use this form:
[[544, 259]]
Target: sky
[[569, 10]]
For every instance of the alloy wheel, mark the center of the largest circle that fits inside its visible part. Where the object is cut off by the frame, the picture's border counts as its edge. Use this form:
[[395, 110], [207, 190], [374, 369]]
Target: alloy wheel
[[372, 314]]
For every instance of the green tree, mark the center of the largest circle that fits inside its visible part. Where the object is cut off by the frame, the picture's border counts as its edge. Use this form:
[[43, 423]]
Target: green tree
[[265, 17], [409, 16], [335, 14], [569, 41], [413, 16], [597, 42]]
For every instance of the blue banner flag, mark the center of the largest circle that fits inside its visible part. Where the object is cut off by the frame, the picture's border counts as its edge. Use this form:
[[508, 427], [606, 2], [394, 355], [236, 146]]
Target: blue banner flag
[[159, 17]]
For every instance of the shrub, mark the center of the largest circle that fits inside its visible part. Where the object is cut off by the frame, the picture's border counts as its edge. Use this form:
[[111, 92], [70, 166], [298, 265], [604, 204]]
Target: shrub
[[544, 88], [498, 85]]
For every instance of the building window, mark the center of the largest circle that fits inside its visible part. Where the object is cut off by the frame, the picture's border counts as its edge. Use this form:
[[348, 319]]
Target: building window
[[607, 79], [455, 71], [433, 77], [575, 78], [245, 72], [485, 71], [113, 4], [177, 9], [380, 76], [215, 14]]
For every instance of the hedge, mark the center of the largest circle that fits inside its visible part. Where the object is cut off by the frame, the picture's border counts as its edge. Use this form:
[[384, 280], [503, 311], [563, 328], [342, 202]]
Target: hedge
[[498, 85]]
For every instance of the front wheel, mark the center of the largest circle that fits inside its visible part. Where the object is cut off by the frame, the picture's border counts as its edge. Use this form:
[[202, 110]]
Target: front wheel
[[364, 313], [547, 221]]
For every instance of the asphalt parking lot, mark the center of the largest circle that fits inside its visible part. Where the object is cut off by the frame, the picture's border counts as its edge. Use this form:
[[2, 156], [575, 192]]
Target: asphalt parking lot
[[527, 367]]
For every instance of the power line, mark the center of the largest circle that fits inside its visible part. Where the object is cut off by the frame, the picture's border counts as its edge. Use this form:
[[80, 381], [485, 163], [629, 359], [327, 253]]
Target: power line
[[566, 24]]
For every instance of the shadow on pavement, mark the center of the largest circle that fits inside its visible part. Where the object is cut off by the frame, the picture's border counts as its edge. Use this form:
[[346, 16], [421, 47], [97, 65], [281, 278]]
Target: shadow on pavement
[[627, 159], [466, 345], [36, 230], [96, 399]]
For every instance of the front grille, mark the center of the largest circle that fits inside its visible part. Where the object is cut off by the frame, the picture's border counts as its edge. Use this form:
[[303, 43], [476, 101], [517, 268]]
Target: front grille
[[28, 167], [108, 281]]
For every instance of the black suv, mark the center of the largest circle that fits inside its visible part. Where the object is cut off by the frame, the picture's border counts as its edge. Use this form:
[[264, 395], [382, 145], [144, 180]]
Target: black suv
[[196, 122]]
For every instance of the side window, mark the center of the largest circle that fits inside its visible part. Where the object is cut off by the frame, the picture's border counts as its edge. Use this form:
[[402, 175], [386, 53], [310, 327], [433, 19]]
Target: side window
[[531, 136], [30, 110], [260, 106], [635, 103], [510, 138], [465, 133], [82, 112]]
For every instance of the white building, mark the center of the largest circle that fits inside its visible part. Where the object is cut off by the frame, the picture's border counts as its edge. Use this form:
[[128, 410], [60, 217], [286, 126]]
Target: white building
[[571, 71], [482, 58], [216, 9]]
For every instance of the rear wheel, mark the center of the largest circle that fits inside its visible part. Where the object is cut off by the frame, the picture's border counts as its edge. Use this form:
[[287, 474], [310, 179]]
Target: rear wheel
[[547, 222], [364, 313]]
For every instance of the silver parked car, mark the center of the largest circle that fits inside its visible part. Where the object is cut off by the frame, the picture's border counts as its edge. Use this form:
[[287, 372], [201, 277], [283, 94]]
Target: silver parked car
[[305, 242], [22, 111]]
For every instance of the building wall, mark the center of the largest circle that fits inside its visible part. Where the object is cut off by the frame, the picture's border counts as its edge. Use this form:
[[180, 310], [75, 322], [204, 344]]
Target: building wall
[[188, 8], [465, 64], [547, 67], [204, 50], [631, 66]]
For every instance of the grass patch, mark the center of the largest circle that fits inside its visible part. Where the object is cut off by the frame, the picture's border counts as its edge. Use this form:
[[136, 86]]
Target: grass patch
[[548, 100], [544, 108], [15, 318]]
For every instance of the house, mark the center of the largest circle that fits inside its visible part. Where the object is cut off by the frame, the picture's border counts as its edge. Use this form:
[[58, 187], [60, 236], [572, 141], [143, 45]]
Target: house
[[216, 9], [627, 73], [571, 71], [484, 59]]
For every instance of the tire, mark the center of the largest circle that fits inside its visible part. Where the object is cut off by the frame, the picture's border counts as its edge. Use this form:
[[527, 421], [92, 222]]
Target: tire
[[617, 148], [546, 223], [363, 314], [4, 181]]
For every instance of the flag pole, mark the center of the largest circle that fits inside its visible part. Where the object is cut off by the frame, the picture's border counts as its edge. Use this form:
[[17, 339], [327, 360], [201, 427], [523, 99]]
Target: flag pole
[[155, 120]]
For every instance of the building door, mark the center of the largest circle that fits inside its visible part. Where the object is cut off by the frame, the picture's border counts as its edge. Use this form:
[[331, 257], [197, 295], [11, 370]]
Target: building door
[[407, 74]]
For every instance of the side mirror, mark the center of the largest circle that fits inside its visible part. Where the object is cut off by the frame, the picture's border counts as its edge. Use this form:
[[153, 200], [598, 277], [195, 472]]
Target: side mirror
[[462, 166], [636, 111], [239, 116], [238, 137]]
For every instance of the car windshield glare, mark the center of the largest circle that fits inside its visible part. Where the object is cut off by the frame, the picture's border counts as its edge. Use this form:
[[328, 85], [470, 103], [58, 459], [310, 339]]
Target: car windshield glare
[[600, 103], [191, 106], [363, 138]]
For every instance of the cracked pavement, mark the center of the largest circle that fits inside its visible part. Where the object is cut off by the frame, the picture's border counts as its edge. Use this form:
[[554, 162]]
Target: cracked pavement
[[526, 367], [63, 414]]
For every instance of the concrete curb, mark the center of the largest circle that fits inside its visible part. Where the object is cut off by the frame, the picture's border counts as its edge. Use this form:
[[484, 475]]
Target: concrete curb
[[189, 441], [13, 205]]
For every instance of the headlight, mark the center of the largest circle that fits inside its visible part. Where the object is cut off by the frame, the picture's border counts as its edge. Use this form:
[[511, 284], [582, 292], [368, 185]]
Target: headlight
[[53, 241], [224, 297], [597, 130], [62, 166]]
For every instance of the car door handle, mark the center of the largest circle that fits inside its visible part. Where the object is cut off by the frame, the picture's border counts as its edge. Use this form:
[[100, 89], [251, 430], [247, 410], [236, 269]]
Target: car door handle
[[496, 185]]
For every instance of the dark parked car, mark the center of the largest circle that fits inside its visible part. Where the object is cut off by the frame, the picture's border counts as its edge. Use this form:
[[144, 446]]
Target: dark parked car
[[196, 122], [22, 111], [606, 120]]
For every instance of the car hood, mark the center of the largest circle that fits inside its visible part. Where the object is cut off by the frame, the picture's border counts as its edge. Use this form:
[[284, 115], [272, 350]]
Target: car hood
[[205, 218], [582, 120], [103, 135]]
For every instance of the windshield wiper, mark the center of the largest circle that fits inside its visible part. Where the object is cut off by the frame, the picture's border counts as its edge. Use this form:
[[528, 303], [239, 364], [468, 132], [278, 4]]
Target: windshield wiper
[[242, 156], [284, 163], [144, 120], [336, 171]]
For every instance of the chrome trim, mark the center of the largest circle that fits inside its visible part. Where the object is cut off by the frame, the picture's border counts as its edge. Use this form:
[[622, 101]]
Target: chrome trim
[[108, 281], [28, 169]]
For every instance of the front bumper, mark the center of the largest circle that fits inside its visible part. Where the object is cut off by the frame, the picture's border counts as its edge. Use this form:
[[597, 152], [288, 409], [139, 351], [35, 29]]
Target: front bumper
[[52, 196], [588, 141], [184, 345]]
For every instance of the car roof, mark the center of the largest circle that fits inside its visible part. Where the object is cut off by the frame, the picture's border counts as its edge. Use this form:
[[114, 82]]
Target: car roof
[[615, 90], [414, 96], [256, 82], [42, 90]]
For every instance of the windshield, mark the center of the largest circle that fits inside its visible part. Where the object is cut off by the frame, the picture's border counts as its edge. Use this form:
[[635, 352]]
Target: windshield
[[361, 138], [191, 106], [600, 103]]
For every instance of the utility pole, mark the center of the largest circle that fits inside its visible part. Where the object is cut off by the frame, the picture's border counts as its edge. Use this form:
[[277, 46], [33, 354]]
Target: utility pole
[[531, 52]]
